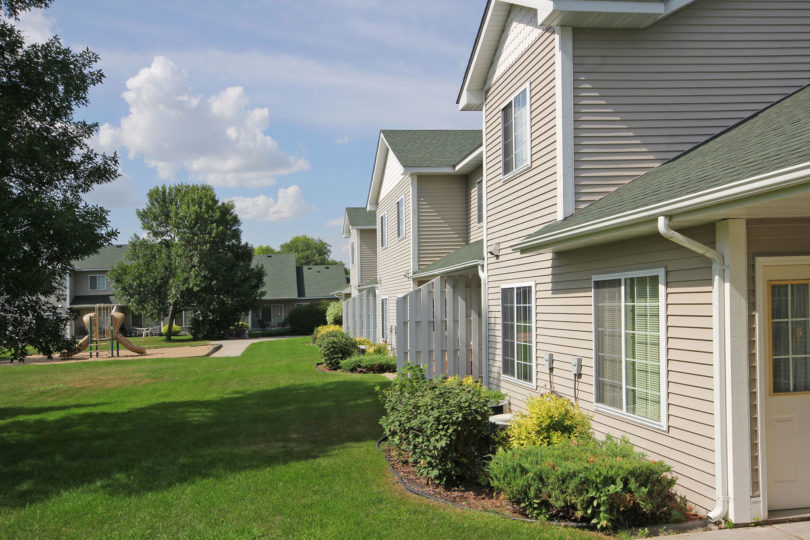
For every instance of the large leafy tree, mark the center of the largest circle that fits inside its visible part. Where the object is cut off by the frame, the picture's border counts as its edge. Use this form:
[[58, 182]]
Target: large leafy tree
[[46, 167], [264, 250], [192, 256], [308, 250]]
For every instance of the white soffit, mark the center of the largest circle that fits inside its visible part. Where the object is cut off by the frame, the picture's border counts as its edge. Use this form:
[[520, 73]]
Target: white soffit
[[573, 13]]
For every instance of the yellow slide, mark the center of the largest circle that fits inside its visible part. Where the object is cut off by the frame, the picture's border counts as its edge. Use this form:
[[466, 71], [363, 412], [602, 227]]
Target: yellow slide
[[129, 345], [117, 320]]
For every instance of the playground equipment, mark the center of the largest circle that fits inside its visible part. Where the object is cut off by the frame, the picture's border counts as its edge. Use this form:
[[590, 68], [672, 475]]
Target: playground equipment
[[102, 328]]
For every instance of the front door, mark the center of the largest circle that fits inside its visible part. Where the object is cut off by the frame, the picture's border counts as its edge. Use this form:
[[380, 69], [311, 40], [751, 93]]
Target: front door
[[787, 352]]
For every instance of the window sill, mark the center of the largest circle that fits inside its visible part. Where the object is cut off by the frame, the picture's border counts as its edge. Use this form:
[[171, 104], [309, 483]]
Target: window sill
[[531, 385], [505, 177], [621, 415]]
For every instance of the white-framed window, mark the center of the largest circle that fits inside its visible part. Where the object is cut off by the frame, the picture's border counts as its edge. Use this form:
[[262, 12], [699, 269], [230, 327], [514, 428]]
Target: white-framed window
[[384, 319], [97, 282], [479, 201], [351, 248], [630, 345], [515, 133], [401, 217], [383, 232], [276, 313], [517, 332], [185, 318]]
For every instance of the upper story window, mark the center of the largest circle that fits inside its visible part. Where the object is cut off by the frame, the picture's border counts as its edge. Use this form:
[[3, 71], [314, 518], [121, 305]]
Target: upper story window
[[515, 132], [479, 201], [401, 217], [97, 283], [383, 232], [629, 319]]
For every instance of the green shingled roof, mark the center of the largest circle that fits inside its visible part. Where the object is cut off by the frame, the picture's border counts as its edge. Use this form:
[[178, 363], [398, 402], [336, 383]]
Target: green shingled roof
[[360, 217], [321, 281], [103, 259], [432, 148], [775, 138], [470, 254], [280, 279]]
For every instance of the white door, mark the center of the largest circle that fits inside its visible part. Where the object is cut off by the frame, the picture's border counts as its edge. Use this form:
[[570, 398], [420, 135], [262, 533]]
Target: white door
[[786, 332]]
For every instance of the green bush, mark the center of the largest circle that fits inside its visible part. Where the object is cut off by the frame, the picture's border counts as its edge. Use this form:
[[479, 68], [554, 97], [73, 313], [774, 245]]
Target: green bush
[[370, 363], [336, 346], [303, 319], [548, 419], [334, 313], [316, 335], [175, 330], [607, 484], [440, 427]]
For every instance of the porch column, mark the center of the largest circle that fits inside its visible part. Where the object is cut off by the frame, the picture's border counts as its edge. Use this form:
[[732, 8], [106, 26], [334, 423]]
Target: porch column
[[732, 243]]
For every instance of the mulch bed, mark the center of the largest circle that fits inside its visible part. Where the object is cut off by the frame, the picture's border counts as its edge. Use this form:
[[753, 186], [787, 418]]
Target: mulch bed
[[471, 495]]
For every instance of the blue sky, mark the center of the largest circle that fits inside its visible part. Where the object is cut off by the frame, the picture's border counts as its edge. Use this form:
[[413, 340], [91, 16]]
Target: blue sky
[[277, 103]]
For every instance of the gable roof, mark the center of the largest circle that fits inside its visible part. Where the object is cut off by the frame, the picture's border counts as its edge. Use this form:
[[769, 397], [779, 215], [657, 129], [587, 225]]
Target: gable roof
[[772, 145], [464, 257], [358, 217], [104, 259], [280, 279], [320, 281], [571, 13]]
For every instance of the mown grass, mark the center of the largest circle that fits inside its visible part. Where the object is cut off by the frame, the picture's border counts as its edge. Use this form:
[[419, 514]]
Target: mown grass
[[150, 342], [263, 445]]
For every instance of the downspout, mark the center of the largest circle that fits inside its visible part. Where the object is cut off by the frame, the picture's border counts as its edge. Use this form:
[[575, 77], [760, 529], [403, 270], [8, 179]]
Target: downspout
[[484, 326], [719, 352]]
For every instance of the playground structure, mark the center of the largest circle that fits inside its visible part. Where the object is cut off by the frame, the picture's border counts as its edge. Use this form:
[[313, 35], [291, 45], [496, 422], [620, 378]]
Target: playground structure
[[102, 328]]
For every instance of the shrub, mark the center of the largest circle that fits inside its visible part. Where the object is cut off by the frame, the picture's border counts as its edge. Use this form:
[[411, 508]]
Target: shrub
[[319, 331], [378, 349], [607, 484], [335, 346], [303, 319], [334, 313], [548, 419], [441, 428], [491, 395], [369, 363], [175, 330]]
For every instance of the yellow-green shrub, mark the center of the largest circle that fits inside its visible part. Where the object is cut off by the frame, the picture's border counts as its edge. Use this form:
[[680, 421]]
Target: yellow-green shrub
[[325, 328], [548, 419], [379, 349]]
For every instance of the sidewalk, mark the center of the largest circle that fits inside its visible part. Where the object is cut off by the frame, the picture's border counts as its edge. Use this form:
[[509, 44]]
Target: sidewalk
[[235, 347], [781, 531]]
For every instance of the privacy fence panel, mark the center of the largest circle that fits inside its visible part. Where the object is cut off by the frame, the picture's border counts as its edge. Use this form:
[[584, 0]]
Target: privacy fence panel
[[360, 315], [439, 325]]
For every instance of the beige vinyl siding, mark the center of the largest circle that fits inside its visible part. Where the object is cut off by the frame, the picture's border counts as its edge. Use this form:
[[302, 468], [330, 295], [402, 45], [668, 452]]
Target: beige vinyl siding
[[354, 260], [476, 230], [441, 215], [368, 254], [393, 261], [525, 201], [642, 97], [767, 238], [80, 283]]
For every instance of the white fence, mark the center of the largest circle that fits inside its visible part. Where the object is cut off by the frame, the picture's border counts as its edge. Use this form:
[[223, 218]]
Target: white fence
[[439, 327], [360, 315]]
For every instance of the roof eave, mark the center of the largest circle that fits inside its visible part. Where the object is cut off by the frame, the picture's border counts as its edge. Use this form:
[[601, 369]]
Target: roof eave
[[377, 174], [448, 269]]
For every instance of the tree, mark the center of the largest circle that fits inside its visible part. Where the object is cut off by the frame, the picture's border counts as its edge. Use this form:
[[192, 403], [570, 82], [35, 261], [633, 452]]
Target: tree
[[308, 251], [264, 250], [46, 167], [192, 256]]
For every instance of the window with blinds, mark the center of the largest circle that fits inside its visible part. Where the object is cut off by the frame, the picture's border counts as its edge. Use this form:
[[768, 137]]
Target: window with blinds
[[629, 364], [515, 133], [517, 332]]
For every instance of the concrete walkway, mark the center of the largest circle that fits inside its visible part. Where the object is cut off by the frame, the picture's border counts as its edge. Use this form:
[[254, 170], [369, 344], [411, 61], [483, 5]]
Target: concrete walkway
[[781, 531], [235, 347]]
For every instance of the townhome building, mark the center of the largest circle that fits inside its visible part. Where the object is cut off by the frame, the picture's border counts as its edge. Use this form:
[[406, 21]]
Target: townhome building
[[646, 238], [286, 286], [359, 226]]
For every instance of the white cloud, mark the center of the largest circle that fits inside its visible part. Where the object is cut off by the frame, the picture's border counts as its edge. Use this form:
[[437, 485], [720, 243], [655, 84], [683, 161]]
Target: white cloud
[[342, 140], [290, 205], [218, 140], [337, 222], [117, 194], [36, 26]]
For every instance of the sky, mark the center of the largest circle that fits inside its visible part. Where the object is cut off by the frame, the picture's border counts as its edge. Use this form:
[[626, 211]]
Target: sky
[[276, 103]]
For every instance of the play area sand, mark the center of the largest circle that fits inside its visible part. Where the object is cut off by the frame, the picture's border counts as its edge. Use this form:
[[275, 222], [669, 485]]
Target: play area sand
[[166, 352]]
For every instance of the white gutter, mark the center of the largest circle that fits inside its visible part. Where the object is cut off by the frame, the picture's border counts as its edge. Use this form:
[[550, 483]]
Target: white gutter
[[719, 353], [747, 187], [484, 326]]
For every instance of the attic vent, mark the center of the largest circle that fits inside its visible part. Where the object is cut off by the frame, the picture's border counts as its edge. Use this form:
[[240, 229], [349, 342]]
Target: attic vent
[[309, 268], [269, 256], [326, 268]]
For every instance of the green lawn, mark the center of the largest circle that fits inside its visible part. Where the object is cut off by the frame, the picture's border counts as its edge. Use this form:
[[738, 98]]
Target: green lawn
[[260, 446], [151, 342]]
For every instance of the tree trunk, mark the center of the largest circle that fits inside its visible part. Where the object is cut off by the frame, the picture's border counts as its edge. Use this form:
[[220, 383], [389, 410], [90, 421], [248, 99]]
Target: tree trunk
[[170, 326]]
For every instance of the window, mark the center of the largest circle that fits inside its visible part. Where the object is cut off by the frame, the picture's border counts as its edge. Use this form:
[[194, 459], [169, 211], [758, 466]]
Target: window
[[277, 313], [629, 345], [383, 237], [97, 283], [517, 332], [384, 318], [351, 248], [515, 132], [479, 201], [790, 336], [401, 217], [184, 318]]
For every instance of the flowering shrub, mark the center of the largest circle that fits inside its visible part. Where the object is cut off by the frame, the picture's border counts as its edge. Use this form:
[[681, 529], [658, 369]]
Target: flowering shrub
[[324, 328], [548, 419]]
